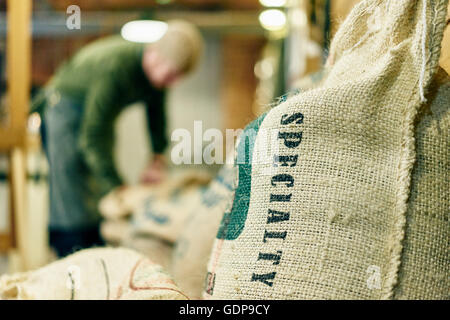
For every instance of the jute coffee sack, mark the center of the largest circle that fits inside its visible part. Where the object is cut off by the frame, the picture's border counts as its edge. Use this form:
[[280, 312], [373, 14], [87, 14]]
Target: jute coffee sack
[[351, 199], [120, 233], [120, 202], [165, 217], [124, 201], [157, 250], [193, 246], [114, 232], [425, 264], [93, 274]]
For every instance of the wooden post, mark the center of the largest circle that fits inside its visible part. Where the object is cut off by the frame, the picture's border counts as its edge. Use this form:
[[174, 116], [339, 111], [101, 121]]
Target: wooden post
[[19, 64], [240, 53], [18, 67]]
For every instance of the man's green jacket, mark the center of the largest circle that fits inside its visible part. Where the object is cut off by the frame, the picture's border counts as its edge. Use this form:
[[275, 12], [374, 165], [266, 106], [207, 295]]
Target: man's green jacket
[[107, 76]]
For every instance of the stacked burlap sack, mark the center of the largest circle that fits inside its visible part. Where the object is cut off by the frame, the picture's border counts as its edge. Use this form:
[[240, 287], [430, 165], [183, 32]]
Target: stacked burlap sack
[[194, 243], [94, 274], [136, 216], [173, 223], [148, 219], [351, 200]]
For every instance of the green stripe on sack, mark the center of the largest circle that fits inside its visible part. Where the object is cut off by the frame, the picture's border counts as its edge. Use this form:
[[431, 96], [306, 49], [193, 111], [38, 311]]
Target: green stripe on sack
[[233, 222]]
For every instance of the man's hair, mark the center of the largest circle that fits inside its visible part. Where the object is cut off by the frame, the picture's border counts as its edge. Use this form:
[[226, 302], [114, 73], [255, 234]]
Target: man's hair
[[182, 44]]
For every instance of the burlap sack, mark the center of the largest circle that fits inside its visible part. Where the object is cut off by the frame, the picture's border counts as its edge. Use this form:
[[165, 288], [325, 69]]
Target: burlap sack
[[424, 271], [309, 82], [124, 201], [120, 233], [157, 250], [351, 199], [114, 232], [193, 246], [120, 202], [156, 210], [165, 217], [94, 274]]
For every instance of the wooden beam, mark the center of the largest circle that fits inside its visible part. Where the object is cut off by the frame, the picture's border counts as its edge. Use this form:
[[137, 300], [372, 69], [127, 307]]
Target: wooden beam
[[18, 67], [242, 4], [10, 137], [18, 58], [5, 243], [95, 5], [240, 54]]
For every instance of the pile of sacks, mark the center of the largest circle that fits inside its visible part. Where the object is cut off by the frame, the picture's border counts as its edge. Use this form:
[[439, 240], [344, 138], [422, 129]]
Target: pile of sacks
[[349, 201], [164, 236], [94, 274], [149, 218], [173, 223]]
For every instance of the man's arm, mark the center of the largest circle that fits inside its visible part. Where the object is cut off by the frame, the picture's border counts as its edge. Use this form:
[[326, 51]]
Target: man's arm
[[157, 127], [157, 122], [97, 133]]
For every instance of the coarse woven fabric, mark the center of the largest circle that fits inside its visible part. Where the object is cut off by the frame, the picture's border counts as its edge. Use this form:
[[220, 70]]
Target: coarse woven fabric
[[425, 267], [120, 233], [121, 203], [335, 207], [191, 216], [114, 232], [156, 249], [93, 274], [158, 210], [193, 246], [164, 216]]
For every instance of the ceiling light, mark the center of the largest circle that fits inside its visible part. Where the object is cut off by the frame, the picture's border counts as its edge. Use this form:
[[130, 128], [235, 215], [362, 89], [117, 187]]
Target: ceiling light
[[273, 3], [273, 19], [143, 31]]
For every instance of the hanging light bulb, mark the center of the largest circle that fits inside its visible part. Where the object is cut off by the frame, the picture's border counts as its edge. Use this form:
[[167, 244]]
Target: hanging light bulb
[[144, 31], [273, 19], [273, 3]]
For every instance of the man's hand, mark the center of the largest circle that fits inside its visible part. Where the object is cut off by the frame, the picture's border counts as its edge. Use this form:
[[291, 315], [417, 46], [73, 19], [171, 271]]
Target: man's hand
[[156, 171]]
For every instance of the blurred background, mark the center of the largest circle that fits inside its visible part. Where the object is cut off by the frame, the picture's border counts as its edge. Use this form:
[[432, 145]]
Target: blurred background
[[255, 52]]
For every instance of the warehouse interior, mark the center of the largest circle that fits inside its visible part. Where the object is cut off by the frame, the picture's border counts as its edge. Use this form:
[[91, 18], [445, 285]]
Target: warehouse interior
[[255, 54]]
